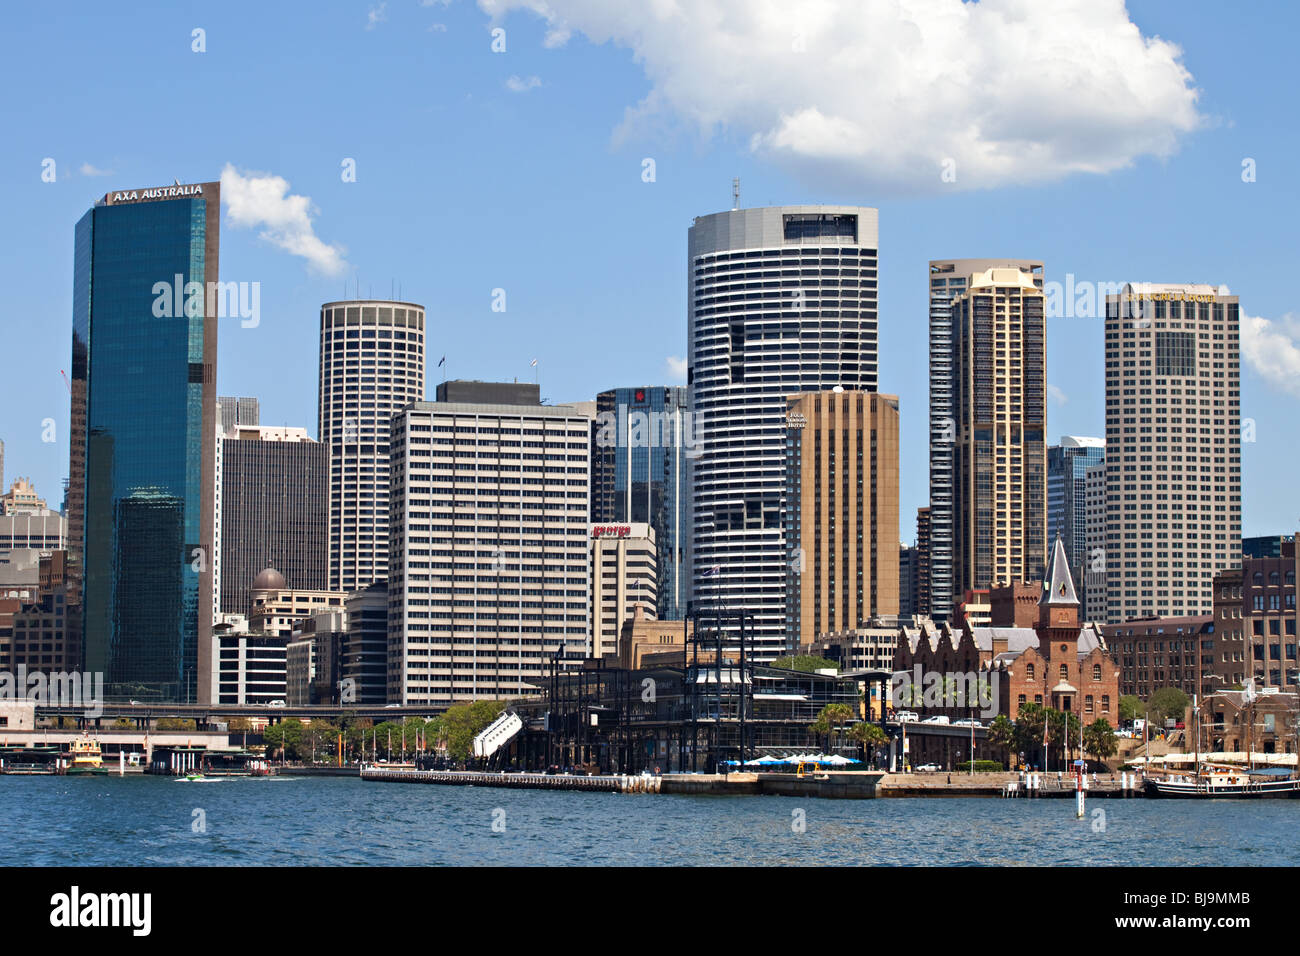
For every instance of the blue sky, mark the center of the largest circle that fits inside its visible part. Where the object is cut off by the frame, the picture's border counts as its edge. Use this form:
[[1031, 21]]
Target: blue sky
[[468, 180]]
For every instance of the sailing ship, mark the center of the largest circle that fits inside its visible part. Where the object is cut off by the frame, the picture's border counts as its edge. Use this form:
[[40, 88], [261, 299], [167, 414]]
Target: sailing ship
[[1216, 780]]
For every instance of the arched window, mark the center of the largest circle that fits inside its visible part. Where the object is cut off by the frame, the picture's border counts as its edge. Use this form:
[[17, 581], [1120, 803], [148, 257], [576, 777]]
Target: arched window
[[1096, 672], [1274, 578], [1290, 577], [1259, 577], [1064, 672], [1029, 672]]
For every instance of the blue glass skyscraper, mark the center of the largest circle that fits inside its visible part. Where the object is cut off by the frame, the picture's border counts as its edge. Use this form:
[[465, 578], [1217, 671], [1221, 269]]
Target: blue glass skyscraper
[[638, 473], [141, 486]]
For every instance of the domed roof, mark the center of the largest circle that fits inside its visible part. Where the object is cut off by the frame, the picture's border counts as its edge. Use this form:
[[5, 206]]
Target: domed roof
[[269, 580]]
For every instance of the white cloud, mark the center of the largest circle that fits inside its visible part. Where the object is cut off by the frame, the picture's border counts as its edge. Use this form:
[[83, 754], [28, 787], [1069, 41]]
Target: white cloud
[[89, 170], [377, 15], [676, 367], [522, 84], [262, 201], [1056, 395], [867, 94], [437, 28], [1272, 349]]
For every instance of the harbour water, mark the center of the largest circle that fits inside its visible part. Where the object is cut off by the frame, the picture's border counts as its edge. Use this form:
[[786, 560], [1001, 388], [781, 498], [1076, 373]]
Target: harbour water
[[309, 821]]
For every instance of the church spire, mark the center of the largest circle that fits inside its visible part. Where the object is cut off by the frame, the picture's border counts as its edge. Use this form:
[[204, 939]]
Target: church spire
[[1060, 584]]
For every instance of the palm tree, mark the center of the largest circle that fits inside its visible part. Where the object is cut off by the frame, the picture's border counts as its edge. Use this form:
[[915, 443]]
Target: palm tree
[[870, 736], [832, 718], [1002, 732]]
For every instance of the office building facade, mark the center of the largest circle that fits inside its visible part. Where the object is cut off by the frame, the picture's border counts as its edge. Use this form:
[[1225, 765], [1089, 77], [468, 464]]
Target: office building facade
[[624, 577], [1067, 499], [141, 494], [949, 278], [841, 516], [1094, 576], [238, 411], [1173, 448], [371, 365], [275, 487], [781, 300], [1256, 605], [489, 576], [999, 458], [640, 445]]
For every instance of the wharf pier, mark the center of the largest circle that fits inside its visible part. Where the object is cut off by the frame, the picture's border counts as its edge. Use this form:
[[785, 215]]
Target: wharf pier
[[525, 781], [842, 785]]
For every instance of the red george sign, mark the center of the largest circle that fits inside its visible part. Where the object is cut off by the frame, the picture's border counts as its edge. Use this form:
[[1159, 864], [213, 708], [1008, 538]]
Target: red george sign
[[611, 531]]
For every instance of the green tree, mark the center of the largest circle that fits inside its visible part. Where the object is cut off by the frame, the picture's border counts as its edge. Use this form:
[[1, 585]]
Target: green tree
[[1002, 732], [284, 739], [1130, 708], [1167, 703], [176, 723], [1029, 731], [870, 737], [1062, 730], [319, 741], [829, 721], [1099, 739], [805, 663], [463, 722]]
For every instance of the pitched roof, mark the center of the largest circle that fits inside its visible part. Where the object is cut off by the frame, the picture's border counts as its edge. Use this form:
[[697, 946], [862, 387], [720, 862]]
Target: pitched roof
[[1017, 638], [1060, 584]]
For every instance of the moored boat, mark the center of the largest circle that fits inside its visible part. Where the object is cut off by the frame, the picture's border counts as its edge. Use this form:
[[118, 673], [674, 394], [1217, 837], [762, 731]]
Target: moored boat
[[87, 758], [1219, 781]]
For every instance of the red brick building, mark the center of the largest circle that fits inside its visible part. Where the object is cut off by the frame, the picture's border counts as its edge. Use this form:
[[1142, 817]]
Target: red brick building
[[1055, 663]]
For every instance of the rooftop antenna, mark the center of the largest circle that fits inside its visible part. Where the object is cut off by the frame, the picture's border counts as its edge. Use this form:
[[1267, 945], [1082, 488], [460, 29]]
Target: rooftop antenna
[[735, 194]]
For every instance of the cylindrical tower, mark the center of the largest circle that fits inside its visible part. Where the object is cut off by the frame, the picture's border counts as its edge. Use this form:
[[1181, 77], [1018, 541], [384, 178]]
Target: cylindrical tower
[[780, 300], [371, 366]]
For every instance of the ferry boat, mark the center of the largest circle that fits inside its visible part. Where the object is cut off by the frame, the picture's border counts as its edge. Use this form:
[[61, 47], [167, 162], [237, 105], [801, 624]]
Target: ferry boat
[[86, 757], [1218, 781]]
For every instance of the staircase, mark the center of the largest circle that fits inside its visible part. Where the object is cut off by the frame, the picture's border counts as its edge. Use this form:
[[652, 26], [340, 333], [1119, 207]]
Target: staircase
[[497, 734]]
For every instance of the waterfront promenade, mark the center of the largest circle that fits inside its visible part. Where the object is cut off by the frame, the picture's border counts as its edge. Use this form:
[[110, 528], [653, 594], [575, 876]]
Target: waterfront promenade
[[853, 785]]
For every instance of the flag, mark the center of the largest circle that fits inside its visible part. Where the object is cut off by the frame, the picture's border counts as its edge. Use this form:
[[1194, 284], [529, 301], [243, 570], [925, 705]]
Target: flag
[[713, 570], [441, 361], [533, 363]]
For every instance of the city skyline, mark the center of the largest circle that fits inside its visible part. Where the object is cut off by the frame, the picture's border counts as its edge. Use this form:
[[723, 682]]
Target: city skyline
[[1075, 234]]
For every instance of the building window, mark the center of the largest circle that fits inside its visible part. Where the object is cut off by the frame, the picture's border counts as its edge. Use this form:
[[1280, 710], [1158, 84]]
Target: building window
[[1087, 704], [1105, 703], [1064, 672], [1096, 672], [1029, 672]]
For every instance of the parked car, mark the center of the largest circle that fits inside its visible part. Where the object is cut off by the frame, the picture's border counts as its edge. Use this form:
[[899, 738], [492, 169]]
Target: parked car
[[928, 768], [936, 719], [906, 716], [276, 703], [969, 722]]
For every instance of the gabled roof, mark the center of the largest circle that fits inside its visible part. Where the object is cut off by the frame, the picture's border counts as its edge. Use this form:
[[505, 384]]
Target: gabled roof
[[1090, 639], [1060, 584], [1018, 638]]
